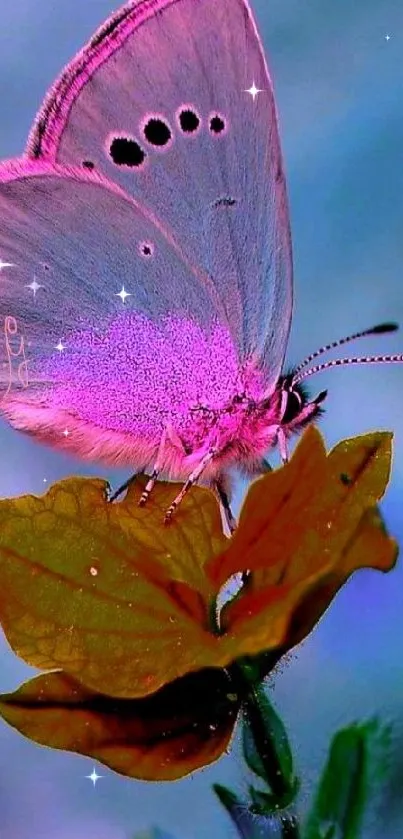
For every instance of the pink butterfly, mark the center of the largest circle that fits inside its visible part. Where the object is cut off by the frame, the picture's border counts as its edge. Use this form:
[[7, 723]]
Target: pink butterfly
[[146, 288]]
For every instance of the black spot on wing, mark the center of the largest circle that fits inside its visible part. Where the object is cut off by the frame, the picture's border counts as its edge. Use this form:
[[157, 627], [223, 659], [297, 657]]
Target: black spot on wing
[[125, 151], [225, 201], [189, 121], [157, 132], [217, 124]]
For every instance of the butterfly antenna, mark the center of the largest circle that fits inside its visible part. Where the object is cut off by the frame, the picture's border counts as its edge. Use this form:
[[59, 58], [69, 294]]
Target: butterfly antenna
[[338, 362], [373, 330]]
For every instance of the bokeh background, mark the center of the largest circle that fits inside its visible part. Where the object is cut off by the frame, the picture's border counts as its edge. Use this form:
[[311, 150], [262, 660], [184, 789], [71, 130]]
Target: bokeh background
[[337, 70]]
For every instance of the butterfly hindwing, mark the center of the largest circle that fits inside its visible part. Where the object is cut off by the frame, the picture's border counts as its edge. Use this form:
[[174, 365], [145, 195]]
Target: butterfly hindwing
[[89, 331]]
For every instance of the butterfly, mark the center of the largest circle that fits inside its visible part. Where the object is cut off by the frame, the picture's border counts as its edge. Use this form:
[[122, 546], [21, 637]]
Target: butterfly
[[146, 264]]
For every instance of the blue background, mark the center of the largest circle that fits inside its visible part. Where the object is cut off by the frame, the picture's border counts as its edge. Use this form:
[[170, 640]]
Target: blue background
[[339, 90]]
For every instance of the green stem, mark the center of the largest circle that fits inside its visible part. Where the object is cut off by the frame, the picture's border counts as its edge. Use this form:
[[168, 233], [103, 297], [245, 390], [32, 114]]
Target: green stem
[[250, 684]]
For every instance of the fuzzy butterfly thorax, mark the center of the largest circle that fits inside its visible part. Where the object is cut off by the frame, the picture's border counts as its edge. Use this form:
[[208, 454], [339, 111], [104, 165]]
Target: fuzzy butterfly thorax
[[242, 431]]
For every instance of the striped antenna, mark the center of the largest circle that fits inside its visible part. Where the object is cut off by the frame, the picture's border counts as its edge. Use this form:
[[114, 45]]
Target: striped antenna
[[338, 362], [373, 330]]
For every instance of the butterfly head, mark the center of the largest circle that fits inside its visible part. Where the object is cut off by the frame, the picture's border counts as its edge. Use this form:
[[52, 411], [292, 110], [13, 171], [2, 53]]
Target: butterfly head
[[290, 405], [296, 408]]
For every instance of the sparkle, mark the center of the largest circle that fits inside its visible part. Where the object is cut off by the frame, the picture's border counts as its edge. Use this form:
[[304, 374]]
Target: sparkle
[[387, 37], [66, 432], [34, 286], [6, 265], [94, 777], [253, 90], [45, 480], [60, 346], [123, 294]]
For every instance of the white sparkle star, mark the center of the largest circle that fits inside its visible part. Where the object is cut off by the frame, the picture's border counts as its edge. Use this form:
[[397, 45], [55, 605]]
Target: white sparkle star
[[6, 265], [60, 346], [34, 286], [66, 432], [123, 294], [253, 90], [45, 480], [94, 777], [387, 37]]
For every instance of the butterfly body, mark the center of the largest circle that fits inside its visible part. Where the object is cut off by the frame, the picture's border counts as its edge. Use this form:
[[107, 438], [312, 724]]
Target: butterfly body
[[190, 390]]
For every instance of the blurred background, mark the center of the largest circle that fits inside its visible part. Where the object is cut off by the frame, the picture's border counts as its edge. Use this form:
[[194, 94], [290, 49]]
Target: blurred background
[[337, 70]]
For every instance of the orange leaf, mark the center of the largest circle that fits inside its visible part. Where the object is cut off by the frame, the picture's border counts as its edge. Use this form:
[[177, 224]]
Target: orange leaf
[[182, 727], [123, 604], [370, 545], [316, 528], [106, 592]]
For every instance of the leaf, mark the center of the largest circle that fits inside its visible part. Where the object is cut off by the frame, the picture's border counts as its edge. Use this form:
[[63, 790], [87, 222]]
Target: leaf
[[355, 762], [302, 542], [227, 797], [266, 804], [106, 592], [122, 603], [250, 825], [369, 540], [273, 731], [182, 727]]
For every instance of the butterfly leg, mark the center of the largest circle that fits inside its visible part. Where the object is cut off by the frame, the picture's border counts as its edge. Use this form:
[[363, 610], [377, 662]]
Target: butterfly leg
[[156, 471], [282, 444], [122, 488], [195, 475], [224, 500]]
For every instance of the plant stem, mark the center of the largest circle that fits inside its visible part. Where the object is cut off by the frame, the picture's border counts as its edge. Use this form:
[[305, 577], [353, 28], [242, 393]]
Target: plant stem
[[250, 685]]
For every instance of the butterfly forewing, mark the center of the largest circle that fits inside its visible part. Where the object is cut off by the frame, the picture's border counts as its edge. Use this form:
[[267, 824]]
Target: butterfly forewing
[[158, 103]]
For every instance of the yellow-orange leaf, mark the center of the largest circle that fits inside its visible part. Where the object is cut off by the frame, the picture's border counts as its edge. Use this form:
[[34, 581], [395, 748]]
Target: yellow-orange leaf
[[106, 592], [182, 727], [320, 524], [123, 604]]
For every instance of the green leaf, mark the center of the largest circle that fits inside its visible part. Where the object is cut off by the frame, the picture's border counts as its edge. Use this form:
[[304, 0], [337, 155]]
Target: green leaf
[[227, 798], [356, 762], [266, 804], [265, 742], [253, 825]]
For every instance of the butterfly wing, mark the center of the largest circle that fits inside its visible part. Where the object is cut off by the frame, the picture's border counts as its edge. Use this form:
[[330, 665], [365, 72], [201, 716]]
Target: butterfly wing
[[102, 345], [157, 103]]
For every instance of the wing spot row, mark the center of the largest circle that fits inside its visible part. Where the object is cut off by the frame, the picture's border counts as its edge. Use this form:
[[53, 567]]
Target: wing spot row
[[126, 150]]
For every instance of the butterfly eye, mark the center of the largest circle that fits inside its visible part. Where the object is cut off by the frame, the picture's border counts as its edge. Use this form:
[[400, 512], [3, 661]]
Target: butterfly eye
[[217, 124], [188, 120], [157, 132], [293, 406], [126, 151]]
